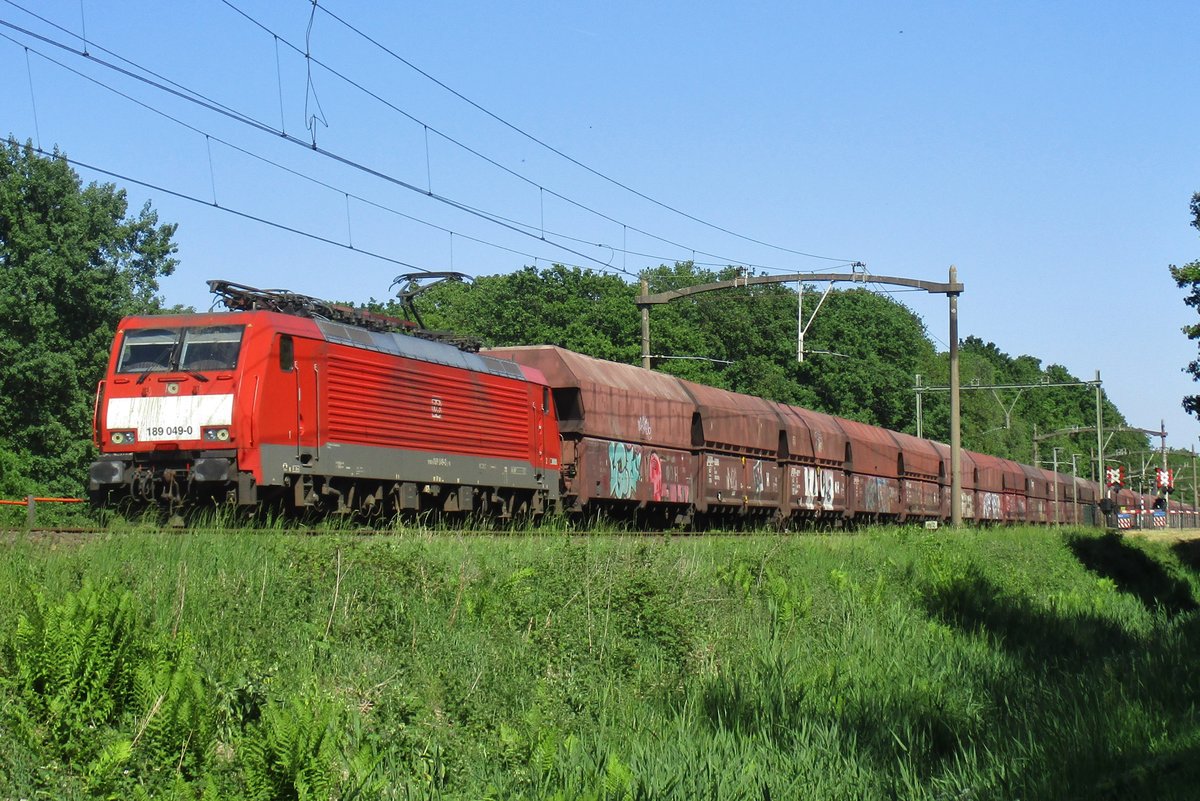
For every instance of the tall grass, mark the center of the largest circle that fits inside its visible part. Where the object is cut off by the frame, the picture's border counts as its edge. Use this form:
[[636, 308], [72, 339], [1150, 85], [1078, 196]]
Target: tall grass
[[419, 664]]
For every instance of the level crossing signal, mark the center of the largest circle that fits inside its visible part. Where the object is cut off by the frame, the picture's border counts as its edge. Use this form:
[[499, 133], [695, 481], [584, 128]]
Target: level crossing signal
[[1114, 476], [1165, 478]]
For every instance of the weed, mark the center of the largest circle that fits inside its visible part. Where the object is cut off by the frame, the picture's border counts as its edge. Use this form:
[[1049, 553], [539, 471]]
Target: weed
[[424, 664]]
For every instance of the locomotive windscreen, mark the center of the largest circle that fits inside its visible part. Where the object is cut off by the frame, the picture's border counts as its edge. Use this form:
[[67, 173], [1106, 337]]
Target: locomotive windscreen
[[149, 350], [211, 348]]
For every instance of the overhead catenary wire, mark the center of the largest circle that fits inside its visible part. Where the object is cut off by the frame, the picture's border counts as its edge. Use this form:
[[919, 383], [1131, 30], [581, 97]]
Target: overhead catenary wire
[[228, 210], [560, 153], [467, 148], [310, 121], [347, 195], [190, 95], [542, 234], [211, 104], [37, 128], [201, 100], [213, 138]]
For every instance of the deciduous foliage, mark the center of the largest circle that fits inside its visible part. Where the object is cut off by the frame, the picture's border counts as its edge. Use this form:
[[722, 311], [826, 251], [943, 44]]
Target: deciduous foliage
[[72, 263], [867, 347], [862, 351], [578, 309], [1188, 276], [1004, 421]]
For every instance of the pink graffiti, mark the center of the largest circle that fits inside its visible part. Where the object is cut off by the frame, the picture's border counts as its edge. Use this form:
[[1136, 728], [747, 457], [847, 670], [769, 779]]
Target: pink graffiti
[[656, 476]]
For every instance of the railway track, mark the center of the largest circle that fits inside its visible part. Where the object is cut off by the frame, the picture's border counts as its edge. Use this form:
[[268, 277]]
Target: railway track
[[67, 532]]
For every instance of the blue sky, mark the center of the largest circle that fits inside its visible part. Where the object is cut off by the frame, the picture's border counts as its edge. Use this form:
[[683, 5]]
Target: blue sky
[[1048, 149]]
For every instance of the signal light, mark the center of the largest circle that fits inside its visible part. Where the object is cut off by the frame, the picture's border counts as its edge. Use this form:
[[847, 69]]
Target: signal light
[[216, 434]]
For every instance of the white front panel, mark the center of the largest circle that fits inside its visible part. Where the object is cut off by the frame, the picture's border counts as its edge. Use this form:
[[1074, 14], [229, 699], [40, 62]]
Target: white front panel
[[170, 417]]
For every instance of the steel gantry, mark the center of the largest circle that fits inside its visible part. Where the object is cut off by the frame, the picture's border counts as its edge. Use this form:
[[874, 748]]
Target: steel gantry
[[1161, 432], [919, 389], [951, 289]]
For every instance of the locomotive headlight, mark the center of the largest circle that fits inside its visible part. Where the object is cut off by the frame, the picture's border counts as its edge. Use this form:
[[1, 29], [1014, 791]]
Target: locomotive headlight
[[216, 434], [123, 438]]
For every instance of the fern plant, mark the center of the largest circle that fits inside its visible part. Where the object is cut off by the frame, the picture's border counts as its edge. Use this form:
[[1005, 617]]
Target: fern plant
[[73, 664], [174, 724], [103, 694], [291, 755]]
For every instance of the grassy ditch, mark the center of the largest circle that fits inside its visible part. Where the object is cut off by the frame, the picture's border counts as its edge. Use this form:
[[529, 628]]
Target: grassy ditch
[[1004, 664]]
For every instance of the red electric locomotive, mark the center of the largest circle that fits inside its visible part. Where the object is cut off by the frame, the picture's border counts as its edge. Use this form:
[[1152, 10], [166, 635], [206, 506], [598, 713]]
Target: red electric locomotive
[[288, 399]]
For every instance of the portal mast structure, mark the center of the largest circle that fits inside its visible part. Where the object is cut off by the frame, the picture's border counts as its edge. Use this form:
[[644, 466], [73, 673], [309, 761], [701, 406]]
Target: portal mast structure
[[951, 289]]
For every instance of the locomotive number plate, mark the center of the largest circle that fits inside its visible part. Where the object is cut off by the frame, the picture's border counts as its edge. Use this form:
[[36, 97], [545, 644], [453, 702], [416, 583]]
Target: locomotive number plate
[[171, 417]]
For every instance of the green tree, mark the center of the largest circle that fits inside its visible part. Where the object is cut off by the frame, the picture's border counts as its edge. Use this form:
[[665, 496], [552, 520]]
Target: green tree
[[866, 351], [571, 307], [863, 351], [1189, 276], [71, 265], [743, 338], [1003, 421]]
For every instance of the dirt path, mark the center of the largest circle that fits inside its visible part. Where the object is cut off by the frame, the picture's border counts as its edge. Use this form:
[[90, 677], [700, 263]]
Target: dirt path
[[1166, 535]]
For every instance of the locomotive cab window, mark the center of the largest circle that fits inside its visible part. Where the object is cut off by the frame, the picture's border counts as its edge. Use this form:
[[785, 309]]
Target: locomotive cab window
[[287, 353], [147, 350], [213, 347], [157, 350]]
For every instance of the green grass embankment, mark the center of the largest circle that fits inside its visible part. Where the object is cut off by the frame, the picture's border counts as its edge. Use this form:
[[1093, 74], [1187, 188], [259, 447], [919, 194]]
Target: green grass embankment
[[1030, 664]]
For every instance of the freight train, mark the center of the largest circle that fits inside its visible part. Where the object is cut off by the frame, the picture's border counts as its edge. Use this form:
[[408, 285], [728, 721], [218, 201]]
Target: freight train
[[293, 403]]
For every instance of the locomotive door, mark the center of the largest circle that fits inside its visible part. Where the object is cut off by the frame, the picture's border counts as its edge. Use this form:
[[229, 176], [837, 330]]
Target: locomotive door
[[540, 434], [290, 410], [300, 361]]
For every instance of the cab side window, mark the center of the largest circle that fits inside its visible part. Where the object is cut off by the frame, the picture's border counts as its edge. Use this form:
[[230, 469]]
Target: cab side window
[[287, 353]]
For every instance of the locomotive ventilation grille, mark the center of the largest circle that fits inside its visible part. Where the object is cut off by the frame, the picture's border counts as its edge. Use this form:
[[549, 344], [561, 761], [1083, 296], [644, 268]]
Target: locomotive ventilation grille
[[408, 406]]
